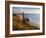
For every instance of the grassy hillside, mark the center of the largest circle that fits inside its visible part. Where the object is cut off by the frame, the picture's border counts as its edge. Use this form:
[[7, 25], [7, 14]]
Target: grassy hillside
[[19, 25]]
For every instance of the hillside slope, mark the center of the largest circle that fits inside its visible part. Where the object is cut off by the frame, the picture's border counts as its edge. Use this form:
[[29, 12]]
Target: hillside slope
[[19, 25]]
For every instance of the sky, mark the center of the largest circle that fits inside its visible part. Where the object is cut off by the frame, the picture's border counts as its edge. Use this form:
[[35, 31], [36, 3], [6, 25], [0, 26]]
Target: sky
[[26, 10], [18, 8]]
